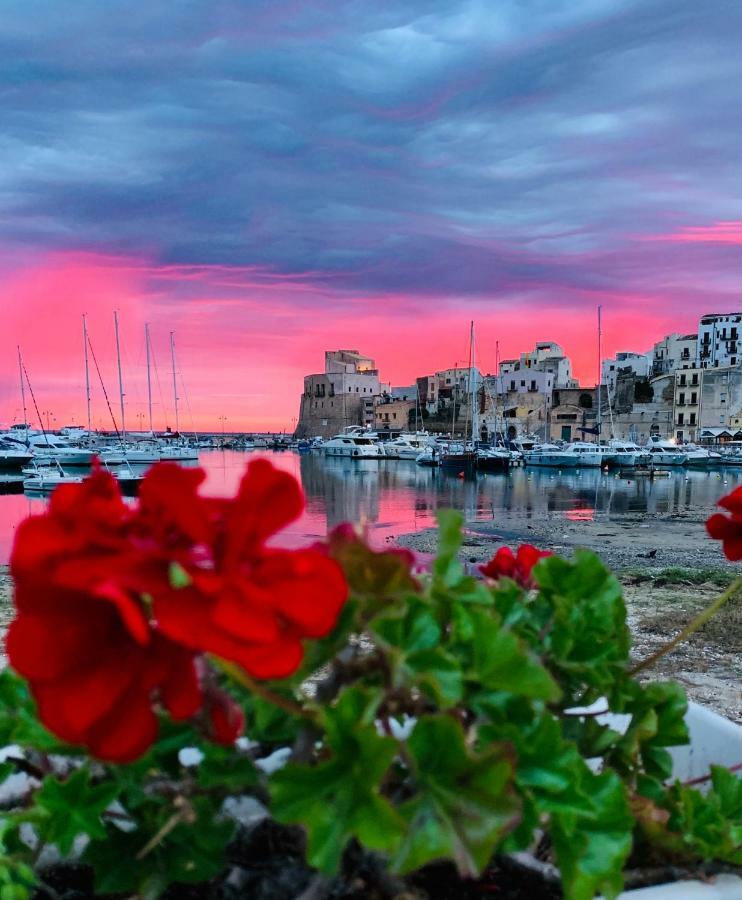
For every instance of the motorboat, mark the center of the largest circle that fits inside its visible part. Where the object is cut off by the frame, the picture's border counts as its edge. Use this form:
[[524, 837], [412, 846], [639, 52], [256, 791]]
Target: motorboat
[[49, 447], [494, 459], [460, 458], [406, 446], [47, 478], [430, 457], [354, 445], [178, 453], [304, 446], [575, 455], [701, 457], [625, 454], [666, 453], [13, 456]]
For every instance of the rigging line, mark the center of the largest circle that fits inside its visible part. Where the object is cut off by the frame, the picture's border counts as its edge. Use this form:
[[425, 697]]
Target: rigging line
[[36, 405], [188, 403], [159, 386], [105, 392]]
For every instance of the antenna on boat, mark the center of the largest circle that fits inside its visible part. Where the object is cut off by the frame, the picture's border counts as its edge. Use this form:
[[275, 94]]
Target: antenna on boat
[[23, 392], [175, 381], [87, 370], [121, 380], [149, 377]]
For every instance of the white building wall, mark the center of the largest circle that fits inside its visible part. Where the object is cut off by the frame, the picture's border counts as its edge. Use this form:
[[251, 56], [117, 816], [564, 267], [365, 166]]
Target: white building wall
[[718, 340]]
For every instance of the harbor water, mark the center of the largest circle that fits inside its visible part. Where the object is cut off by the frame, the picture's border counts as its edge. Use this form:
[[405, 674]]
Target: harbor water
[[395, 497]]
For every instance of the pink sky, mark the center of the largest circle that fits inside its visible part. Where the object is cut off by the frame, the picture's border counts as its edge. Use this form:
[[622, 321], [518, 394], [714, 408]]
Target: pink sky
[[245, 337]]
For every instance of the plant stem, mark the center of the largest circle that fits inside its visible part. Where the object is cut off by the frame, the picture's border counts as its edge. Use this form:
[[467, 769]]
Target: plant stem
[[260, 690], [699, 621], [702, 778]]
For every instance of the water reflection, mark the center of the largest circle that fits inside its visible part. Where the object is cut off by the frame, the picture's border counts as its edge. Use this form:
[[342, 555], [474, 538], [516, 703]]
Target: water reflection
[[396, 496]]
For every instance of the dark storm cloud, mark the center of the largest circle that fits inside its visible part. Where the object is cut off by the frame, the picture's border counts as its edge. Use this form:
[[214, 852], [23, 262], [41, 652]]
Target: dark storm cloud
[[464, 148]]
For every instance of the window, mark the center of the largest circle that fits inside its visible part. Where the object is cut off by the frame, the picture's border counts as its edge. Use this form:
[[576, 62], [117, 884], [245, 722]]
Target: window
[[680, 436], [692, 418], [694, 379], [693, 398], [681, 398], [512, 385], [522, 384], [682, 381], [722, 398], [680, 418]]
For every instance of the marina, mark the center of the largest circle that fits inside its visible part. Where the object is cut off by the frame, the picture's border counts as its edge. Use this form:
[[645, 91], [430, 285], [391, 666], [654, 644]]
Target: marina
[[396, 496]]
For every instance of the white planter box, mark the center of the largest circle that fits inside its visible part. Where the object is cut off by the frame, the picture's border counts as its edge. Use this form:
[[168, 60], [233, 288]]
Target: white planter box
[[714, 740]]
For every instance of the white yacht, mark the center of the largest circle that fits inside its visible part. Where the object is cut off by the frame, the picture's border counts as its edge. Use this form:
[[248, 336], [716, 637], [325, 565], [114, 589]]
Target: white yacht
[[178, 452], [625, 454], [666, 453], [406, 446], [701, 457], [53, 448], [573, 455], [13, 456], [354, 445]]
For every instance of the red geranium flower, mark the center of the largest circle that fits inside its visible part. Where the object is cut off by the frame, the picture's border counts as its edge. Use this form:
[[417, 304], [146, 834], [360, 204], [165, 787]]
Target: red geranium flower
[[81, 635], [251, 604], [728, 529], [518, 565]]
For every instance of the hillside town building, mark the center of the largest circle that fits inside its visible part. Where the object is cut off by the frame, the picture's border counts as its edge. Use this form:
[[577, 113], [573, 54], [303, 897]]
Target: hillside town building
[[687, 387]]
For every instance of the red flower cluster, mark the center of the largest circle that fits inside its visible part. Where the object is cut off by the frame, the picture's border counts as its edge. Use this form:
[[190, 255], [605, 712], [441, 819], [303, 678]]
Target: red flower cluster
[[116, 605], [518, 565], [728, 529]]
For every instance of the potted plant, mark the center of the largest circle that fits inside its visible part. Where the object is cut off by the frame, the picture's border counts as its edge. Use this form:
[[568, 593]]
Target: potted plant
[[387, 729]]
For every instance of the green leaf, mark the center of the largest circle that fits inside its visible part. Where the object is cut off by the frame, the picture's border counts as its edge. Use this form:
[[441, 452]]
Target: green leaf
[[501, 662], [438, 674], [190, 852], [340, 797], [464, 804], [73, 807], [592, 846], [19, 723], [578, 621]]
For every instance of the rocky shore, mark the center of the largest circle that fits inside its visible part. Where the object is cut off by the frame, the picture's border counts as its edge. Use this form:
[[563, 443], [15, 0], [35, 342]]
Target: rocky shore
[[670, 571]]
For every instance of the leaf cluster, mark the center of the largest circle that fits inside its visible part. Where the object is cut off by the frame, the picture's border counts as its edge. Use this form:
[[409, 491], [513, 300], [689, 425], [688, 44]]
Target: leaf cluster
[[444, 718]]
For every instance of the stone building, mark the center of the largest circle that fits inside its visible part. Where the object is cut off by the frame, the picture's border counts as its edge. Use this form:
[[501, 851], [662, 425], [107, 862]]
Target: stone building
[[720, 397], [547, 356], [341, 396], [392, 414], [687, 404]]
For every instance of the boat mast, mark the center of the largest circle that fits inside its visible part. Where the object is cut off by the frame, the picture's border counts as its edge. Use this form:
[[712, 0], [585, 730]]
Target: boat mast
[[87, 369], [149, 377], [121, 380], [175, 382], [23, 392], [600, 377], [472, 385], [497, 375]]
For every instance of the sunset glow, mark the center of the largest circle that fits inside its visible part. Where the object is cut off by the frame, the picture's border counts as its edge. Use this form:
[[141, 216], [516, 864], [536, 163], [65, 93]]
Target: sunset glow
[[271, 184]]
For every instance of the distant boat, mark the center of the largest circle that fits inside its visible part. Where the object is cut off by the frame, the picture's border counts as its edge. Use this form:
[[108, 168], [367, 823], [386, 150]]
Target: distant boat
[[666, 453]]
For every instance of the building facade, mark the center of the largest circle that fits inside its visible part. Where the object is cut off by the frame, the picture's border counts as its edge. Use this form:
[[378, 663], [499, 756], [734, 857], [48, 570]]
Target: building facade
[[687, 404], [718, 341], [547, 356], [341, 396], [674, 351], [638, 363]]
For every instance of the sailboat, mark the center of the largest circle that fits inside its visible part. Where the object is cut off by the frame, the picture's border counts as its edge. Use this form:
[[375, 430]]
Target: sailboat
[[178, 451], [461, 458]]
